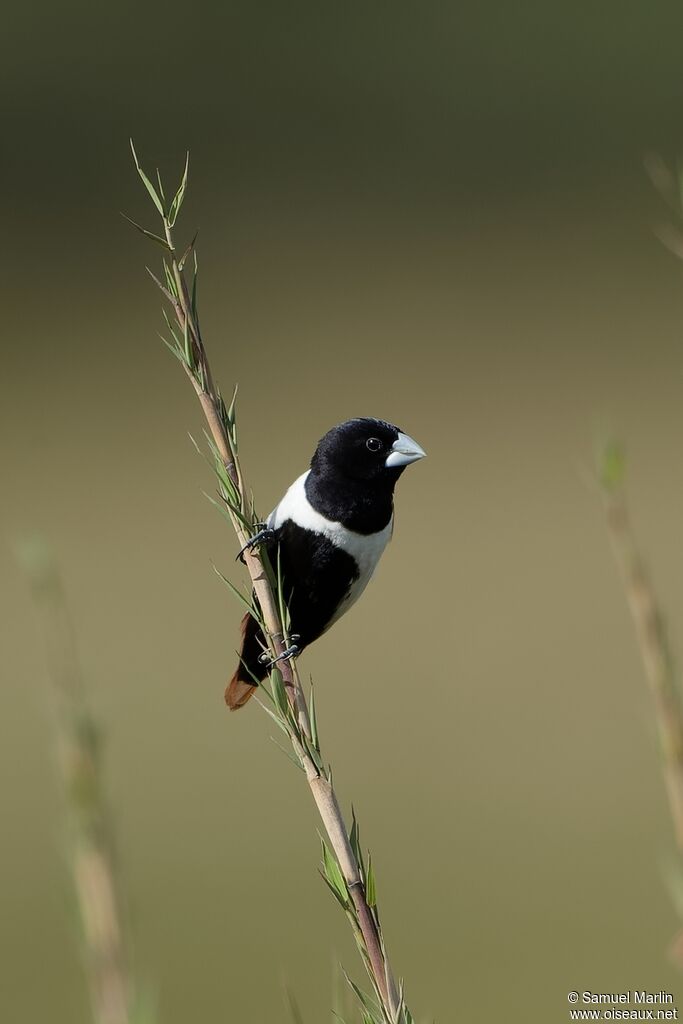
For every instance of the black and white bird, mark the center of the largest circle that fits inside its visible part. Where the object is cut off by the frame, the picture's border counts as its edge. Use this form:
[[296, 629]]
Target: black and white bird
[[331, 528]]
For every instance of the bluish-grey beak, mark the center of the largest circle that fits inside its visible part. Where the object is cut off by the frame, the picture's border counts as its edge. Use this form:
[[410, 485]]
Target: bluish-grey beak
[[404, 451]]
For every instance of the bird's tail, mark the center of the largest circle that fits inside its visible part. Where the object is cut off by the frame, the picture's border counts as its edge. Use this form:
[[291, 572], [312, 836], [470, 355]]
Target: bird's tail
[[243, 684]]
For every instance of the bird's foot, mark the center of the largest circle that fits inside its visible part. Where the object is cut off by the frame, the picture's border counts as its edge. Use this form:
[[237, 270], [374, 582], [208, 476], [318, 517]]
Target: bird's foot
[[264, 534], [289, 652]]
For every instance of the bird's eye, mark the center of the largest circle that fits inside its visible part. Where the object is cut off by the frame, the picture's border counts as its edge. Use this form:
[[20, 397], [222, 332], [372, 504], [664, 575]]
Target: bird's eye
[[373, 443]]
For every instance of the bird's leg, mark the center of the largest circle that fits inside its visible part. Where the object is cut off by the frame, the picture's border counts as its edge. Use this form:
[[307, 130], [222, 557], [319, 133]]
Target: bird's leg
[[264, 534], [290, 652]]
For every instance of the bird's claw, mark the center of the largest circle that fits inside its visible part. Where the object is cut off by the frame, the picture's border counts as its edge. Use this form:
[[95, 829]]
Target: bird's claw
[[264, 534], [290, 652]]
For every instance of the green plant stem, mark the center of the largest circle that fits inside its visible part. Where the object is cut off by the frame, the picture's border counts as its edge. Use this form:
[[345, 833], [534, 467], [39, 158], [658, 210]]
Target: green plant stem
[[321, 788], [195, 361]]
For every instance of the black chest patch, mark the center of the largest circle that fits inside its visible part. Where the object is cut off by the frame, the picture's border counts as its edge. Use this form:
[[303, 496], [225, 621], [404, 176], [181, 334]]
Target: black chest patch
[[359, 506], [317, 577]]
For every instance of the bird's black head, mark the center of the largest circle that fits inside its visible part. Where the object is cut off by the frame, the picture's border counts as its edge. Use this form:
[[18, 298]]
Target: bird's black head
[[366, 449]]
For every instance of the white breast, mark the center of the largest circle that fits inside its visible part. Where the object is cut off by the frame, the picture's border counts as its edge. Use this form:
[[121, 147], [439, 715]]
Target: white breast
[[366, 549]]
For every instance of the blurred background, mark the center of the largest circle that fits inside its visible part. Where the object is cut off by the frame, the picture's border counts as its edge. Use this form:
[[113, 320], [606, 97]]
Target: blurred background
[[434, 213]]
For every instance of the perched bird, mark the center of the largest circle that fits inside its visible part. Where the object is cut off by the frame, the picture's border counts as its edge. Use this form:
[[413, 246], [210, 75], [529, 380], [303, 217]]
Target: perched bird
[[331, 528]]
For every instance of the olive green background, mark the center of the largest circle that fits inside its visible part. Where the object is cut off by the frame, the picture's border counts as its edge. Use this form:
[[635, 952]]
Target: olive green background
[[433, 213]]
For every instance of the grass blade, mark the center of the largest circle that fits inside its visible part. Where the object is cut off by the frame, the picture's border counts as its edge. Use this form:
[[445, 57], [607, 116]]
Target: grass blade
[[147, 183], [145, 232], [180, 194]]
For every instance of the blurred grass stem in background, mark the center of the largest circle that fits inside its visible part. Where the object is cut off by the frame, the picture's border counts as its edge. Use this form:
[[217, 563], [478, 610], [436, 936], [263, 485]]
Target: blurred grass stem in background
[[653, 644], [89, 824], [344, 870]]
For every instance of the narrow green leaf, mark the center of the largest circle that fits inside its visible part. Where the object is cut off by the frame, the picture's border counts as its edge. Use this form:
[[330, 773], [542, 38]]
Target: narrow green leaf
[[227, 487], [228, 419], [401, 1009], [370, 888], [354, 839], [172, 348], [366, 1002], [189, 355], [194, 287], [282, 604], [221, 471], [147, 183], [236, 593], [276, 718], [222, 411], [278, 585], [224, 507], [161, 288], [238, 514], [220, 506], [161, 187], [145, 232], [170, 280], [180, 194], [196, 447], [279, 692], [288, 753], [333, 872], [338, 898], [407, 1016], [181, 262], [171, 326], [277, 685], [314, 721], [312, 753]]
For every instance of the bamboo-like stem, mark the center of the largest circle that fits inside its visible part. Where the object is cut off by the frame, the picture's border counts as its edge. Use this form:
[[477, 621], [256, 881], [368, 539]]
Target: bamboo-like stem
[[191, 352], [259, 577], [321, 788], [90, 830]]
